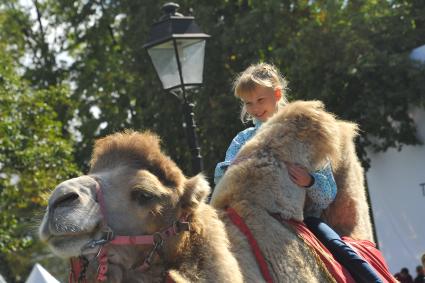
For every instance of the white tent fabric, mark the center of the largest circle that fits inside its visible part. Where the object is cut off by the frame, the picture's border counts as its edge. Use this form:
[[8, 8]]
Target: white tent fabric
[[396, 181], [40, 275]]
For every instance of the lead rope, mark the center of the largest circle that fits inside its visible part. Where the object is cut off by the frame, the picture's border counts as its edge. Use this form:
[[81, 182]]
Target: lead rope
[[103, 264], [78, 270], [102, 256]]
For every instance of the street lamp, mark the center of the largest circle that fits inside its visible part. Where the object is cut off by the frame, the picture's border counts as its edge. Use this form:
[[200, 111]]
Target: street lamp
[[176, 47]]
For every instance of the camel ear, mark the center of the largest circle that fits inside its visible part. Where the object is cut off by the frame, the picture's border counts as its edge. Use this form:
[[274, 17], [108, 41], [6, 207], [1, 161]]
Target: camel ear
[[196, 191]]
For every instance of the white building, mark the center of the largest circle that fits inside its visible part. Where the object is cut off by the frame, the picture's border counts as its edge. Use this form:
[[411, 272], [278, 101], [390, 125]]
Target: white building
[[396, 183]]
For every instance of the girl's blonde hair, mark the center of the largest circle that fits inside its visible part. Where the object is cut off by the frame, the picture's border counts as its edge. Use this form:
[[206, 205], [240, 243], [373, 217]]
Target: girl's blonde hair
[[261, 74]]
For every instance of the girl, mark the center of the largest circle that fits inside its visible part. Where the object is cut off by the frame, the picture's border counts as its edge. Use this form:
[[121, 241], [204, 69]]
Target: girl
[[261, 89]]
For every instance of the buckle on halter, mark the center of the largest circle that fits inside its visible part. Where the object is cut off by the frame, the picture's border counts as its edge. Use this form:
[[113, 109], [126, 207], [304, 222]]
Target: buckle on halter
[[93, 243], [108, 236]]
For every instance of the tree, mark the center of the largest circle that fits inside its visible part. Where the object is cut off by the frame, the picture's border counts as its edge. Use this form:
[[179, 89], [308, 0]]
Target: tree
[[33, 157], [353, 55], [356, 59]]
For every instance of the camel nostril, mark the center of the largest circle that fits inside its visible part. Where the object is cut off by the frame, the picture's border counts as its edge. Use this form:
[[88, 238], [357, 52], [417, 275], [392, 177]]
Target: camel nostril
[[66, 200]]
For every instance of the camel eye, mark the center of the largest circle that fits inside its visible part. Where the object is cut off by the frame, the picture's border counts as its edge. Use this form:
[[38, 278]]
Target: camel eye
[[142, 197]]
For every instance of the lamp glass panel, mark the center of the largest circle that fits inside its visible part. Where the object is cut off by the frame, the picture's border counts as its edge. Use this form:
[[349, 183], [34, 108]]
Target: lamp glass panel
[[191, 55], [164, 60]]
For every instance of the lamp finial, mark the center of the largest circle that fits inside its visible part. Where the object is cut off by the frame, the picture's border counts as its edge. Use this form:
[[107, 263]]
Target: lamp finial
[[170, 9]]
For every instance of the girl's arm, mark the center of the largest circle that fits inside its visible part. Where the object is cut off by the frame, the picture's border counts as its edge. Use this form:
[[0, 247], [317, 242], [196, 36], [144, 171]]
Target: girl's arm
[[323, 190], [232, 151]]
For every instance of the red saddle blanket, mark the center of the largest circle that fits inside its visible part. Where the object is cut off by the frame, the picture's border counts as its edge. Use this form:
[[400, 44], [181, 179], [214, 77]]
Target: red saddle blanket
[[364, 248]]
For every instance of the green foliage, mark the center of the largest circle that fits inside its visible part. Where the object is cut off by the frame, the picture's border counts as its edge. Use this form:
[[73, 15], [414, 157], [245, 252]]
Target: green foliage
[[356, 59], [33, 157], [353, 55]]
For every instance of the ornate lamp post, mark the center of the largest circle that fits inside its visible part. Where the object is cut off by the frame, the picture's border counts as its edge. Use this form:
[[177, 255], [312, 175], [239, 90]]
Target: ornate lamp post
[[176, 47]]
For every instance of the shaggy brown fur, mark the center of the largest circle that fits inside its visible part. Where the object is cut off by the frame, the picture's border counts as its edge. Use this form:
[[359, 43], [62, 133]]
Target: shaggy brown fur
[[144, 193], [258, 184], [326, 137], [348, 214], [137, 151]]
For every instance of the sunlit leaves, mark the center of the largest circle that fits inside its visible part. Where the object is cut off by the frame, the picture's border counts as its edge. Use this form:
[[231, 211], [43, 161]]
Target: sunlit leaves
[[34, 157]]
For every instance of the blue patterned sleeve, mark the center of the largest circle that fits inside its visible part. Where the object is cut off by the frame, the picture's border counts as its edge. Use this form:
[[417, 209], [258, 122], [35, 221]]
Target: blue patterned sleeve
[[231, 152], [323, 191]]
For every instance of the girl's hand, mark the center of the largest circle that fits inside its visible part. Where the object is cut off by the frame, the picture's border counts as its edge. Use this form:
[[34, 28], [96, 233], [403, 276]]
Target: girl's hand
[[299, 175]]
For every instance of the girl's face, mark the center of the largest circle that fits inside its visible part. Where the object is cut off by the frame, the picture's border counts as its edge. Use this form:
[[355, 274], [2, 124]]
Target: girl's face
[[260, 103]]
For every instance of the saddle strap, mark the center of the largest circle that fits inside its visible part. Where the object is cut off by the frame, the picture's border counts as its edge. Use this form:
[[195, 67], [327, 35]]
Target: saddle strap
[[240, 223]]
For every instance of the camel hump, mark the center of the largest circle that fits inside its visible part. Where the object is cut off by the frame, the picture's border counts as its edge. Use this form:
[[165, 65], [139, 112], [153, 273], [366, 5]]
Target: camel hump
[[304, 132], [334, 139]]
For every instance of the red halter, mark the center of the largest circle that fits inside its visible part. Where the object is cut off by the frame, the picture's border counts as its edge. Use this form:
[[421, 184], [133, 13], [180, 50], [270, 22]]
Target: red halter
[[79, 265]]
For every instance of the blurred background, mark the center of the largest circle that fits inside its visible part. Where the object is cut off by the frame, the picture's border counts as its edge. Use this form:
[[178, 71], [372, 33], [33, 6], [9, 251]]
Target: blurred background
[[73, 71]]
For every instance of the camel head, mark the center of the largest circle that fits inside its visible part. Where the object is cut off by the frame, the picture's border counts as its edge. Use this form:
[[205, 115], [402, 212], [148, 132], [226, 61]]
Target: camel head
[[302, 132], [143, 190]]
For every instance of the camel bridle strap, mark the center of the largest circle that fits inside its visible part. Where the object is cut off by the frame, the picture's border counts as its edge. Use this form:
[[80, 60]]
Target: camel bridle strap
[[243, 227], [178, 226], [157, 239]]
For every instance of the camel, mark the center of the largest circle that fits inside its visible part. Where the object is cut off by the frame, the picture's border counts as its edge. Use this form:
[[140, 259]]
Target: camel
[[145, 193], [257, 186], [319, 137]]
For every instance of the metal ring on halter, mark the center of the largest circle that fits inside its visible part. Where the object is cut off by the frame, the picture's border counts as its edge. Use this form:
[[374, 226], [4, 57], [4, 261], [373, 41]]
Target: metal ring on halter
[[109, 235]]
